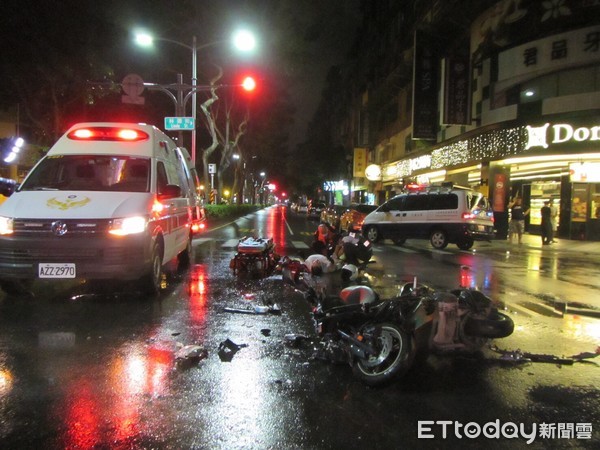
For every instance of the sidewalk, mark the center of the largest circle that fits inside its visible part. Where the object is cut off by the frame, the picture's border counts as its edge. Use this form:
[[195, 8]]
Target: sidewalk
[[531, 241], [583, 303]]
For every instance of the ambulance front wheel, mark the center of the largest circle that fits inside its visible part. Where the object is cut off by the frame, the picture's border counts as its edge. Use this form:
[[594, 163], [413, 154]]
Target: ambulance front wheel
[[17, 287], [151, 283]]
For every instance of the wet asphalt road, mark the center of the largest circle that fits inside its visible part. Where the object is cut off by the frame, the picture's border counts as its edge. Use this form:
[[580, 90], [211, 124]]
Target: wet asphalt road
[[92, 371]]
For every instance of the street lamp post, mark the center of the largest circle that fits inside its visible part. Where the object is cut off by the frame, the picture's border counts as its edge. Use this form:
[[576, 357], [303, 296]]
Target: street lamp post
[[194, 83], [243, 40]]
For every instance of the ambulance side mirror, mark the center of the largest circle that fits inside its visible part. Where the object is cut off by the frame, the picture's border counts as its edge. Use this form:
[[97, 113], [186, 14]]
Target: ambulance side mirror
[[7, 187]]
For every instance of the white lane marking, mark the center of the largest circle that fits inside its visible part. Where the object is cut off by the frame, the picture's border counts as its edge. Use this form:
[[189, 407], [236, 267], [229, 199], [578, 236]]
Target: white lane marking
[[288, 226], [299, 245]]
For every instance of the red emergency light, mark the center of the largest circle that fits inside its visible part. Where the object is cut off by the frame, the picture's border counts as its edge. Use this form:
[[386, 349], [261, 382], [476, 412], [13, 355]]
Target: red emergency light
[[107, 134]]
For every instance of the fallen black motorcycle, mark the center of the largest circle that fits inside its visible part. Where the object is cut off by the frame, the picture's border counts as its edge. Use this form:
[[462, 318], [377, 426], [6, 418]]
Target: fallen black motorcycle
[[380, 338]]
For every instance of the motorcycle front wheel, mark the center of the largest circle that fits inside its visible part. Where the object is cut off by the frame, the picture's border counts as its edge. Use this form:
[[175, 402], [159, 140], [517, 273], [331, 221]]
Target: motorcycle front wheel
[[393, 358]]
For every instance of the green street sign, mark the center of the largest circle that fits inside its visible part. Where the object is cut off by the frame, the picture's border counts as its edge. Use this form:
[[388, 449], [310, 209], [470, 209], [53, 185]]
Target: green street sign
[[179, 123]]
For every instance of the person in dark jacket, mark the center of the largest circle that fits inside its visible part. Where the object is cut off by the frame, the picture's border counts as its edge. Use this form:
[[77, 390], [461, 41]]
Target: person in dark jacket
[[547, 233], [517, 219]]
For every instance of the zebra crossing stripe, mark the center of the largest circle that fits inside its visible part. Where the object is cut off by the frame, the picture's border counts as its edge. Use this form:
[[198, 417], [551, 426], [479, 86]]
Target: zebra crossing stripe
[[231, 243], [299, 245], [200, 241], [402, 249]]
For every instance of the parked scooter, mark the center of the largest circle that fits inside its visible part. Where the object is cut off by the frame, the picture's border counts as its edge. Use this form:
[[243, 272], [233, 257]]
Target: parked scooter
[[380, 338]]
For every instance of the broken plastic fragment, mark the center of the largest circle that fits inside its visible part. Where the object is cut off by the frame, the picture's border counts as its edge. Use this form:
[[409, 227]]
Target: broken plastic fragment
[[228, 348], [190, 355], [294, 339]]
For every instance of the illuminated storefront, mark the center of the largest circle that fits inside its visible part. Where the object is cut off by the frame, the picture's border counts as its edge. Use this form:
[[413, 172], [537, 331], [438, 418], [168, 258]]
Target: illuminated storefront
[[558, 160]]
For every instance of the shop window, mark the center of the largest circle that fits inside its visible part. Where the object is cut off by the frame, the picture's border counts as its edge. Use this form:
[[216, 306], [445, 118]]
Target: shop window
[[567, 82], [595, 194], [577, 82], [541, 192]]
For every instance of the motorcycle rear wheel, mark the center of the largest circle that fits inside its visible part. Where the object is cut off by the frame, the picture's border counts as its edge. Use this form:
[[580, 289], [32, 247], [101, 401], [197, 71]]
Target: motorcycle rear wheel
[[496, 325], [394, 357]]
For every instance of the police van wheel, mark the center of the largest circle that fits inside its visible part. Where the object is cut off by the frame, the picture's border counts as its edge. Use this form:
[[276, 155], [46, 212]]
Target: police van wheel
[[465, 244], [438, 239], [373, 234]]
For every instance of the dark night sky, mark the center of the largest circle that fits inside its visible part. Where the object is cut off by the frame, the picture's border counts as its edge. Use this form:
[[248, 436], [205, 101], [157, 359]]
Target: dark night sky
[[299, 38]]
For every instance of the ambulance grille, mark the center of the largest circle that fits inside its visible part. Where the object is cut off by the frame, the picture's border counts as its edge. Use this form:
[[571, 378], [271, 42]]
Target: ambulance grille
[[42, 227]]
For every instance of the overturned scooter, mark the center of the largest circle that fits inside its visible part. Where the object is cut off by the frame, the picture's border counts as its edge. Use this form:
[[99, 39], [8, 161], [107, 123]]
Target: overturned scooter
[[380, 338]]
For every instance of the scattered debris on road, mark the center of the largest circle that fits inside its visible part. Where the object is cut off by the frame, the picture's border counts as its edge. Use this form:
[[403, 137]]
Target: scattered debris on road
[[228, 348], [520, 357], [294, 340], [189, 355], [271, 309]]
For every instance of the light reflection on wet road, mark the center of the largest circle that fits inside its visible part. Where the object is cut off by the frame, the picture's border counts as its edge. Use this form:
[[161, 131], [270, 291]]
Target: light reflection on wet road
[[84, 371]]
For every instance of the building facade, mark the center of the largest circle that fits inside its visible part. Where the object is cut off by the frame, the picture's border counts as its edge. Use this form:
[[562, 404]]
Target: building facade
[[505, 100]]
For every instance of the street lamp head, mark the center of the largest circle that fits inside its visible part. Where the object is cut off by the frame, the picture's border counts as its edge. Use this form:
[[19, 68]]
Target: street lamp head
[[144, 39], [244, 40]]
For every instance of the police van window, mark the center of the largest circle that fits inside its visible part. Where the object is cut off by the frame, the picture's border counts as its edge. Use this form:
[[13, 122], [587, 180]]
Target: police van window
[[394, 204], [477, 200], [417, 202], [443, 201]]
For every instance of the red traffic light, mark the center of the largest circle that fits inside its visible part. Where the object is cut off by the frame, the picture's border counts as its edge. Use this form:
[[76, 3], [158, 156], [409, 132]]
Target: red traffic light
[[249, 84]]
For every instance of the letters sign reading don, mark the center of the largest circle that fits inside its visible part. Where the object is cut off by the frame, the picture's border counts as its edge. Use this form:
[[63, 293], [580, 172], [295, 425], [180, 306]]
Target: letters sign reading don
[[559, 133]]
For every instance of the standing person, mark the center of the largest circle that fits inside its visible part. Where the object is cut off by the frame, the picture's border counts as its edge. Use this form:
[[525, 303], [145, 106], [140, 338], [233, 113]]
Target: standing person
[[546, 213], [553, 219], [517, 219]]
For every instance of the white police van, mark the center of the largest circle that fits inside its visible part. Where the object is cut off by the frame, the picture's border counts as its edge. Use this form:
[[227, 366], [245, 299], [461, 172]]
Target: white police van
[[443, 214], [110, 201]]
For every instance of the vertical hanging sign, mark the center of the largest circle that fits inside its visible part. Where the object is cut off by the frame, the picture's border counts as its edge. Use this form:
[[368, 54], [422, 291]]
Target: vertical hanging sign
[[456, 93], [425, 88], [360, 161]]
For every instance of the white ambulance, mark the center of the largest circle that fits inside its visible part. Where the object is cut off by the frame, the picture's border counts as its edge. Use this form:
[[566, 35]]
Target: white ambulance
[[109, 202]]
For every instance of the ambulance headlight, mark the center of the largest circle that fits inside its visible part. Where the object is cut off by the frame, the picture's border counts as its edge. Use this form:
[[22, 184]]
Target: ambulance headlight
[[6, 225], [128, 225]]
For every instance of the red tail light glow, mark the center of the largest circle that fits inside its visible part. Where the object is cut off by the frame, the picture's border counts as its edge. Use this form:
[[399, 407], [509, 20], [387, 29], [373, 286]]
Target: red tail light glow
[[108, 134], [468, 216], [198, 226]]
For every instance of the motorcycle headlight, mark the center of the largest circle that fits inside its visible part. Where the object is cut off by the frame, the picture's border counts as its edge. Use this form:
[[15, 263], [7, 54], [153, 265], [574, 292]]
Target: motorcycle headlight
[[6, 225], [128, 225]]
